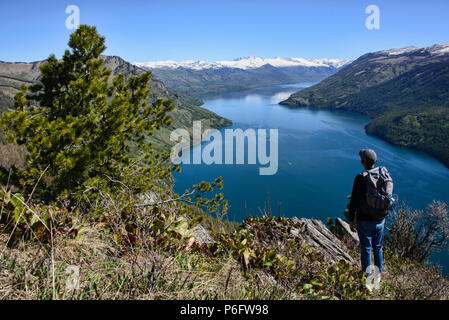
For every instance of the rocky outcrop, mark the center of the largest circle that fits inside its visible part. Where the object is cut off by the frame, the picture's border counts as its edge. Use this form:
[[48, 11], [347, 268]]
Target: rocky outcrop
[[344, 232], [315, 234]]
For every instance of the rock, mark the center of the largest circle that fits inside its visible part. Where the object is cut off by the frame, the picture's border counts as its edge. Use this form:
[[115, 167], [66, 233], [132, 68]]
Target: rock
[[343, 231], [294, 232], [202, 235], [317, 235]]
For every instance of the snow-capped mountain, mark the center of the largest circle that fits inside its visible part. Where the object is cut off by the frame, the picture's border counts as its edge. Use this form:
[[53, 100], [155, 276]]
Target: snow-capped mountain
[[203, 78], [244, 63], [436, 49]]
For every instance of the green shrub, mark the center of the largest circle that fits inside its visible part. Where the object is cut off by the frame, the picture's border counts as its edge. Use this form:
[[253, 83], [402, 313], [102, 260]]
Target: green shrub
[[415, 234], [79, 124], [37, 222]]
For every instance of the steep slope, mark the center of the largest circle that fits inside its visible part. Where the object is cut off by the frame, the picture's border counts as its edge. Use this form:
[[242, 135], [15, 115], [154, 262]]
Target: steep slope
[[405, 91], [13, 75], [208, 78]]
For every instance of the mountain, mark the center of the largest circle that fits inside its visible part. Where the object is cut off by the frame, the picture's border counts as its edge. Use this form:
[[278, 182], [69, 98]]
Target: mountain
[[207, 78], [405, 92], [14, 74], [244, 63]]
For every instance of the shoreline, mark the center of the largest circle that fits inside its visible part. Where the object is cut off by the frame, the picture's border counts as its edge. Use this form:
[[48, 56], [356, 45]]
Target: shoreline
[[291, 105]]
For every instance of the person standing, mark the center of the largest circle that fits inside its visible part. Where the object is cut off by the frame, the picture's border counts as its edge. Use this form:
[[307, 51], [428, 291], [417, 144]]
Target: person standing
[[371, 202]]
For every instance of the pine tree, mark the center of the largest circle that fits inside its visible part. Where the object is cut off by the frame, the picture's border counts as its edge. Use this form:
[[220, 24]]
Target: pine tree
[[79, 123]]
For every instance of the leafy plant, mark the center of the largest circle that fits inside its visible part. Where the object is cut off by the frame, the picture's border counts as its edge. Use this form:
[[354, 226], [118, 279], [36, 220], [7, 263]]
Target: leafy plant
[[415, 234], [37, 222], [267, 244]]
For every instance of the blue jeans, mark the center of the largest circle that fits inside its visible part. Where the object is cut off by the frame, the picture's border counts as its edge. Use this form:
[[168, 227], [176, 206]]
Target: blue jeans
[[371, 235]]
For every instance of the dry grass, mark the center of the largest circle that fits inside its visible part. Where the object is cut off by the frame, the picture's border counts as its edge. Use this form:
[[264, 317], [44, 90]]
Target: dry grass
[[407, 280], [27, 271], [36, 270]]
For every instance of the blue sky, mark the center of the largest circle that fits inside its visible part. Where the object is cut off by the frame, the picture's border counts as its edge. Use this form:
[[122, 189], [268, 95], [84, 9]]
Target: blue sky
[[217, 30]]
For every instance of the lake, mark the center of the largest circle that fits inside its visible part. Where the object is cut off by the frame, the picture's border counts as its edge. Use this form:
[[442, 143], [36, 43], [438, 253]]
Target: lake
[[318, 160]]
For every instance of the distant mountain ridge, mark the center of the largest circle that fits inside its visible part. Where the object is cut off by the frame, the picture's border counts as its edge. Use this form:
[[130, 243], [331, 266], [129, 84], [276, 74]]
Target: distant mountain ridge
[[405, 91], [202, 78], [244, 63], [14, 74]]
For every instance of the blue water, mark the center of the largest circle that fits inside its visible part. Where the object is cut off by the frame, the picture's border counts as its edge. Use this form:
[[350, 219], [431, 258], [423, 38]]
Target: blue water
[[318, 159]]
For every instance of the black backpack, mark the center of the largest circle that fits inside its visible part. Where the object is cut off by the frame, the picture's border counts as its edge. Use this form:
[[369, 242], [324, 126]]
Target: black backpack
[[379, 192]]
